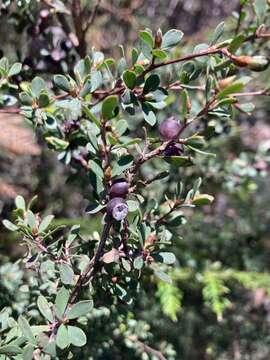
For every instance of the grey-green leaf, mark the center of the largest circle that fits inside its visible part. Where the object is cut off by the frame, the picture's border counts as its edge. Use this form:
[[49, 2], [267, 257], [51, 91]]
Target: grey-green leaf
[[26, 330], [76, 336], [171, 38], [62, 338], [80, 309], [61, 302], [44, 308]]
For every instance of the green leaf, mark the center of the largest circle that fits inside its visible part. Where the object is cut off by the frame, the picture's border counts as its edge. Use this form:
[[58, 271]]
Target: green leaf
[[121, 127], [62, 82], [61, 302], [44, 308], [56, 143], [260, 7], [202, 199], [147, 38], [151, 83], [31, 219], [94, 208], [80, 309], [162, 55], [229, 90], [9, 225], [66, 273], [96, 80], [130, 79], [165, 258], [43, 100], [122, 164], [171, 38], [109, 107], [62, 338], [37, 86], [76, 336], [179, 160], [26, 330], [148, 114], [236, 43], [15, 69], [28, 352], [45, 223], [219, 30], [184, 101], [10, 350]]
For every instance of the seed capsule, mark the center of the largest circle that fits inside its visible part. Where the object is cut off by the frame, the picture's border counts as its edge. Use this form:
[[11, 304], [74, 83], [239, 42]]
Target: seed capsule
[[169, 129], [254, 63]]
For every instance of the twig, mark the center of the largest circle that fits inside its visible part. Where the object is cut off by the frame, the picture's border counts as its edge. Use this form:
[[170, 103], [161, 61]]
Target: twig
[[147, 348], [92, 17]]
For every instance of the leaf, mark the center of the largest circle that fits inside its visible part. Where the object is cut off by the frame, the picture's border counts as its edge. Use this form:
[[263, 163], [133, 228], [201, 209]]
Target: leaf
[[31, 219], [138, 263], [260, 7], [37, 86], [10, 350], [45, 223], [9, 225], [122, 164], [165, 257], [15, 69], [121, 127], [236, 43], [28, 352], [26, 330], [147, 38], [61, 302], [171, 38], [130, 79], [247, 107], [202, 199], [96, 80], [151, 83], [163, 276], [66, 274], [148, 114], [62, 82], [94, 208], [111, 256], [44, 308], [159, 54], [217, 33], [133, 205], [229, 90], [109, 107], [179, 160], [62, 338], [56, 143], [80, 309], [76, 336]]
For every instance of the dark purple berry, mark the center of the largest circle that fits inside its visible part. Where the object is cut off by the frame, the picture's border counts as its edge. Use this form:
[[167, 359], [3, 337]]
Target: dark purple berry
[[169, 129], [117, 208], [119, 189], [173, 150]]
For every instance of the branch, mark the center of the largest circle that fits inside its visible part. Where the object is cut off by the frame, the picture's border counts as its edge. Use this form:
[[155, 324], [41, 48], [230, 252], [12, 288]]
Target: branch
[[148, 349], [92, 16]]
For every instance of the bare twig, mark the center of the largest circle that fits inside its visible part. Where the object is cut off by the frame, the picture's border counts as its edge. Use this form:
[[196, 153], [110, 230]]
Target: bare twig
[[147, 348]]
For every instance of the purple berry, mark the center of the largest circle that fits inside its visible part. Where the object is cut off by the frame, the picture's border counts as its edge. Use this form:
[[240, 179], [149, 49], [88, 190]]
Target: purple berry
[[169, 129], [119, 189], [117, 208], [173, 150]]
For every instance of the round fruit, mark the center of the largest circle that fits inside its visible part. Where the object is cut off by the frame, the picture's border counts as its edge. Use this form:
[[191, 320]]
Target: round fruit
[[173, 150], [119, 189], [169, 129], [117, 208]]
